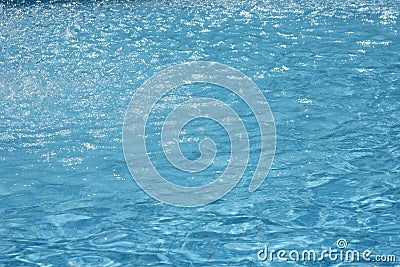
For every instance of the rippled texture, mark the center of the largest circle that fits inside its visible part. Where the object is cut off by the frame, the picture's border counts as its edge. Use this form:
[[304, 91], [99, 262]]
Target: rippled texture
[[330, 72]]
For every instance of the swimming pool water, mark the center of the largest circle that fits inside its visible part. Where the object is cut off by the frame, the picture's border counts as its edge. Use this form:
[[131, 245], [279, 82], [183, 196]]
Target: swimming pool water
[[330, 72]]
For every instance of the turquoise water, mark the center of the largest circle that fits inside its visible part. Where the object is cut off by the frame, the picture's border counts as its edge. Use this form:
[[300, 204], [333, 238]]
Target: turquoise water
[[330, 72]]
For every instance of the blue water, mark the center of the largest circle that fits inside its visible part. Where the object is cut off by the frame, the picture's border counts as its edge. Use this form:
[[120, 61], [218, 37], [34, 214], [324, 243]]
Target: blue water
[[330, 72]]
